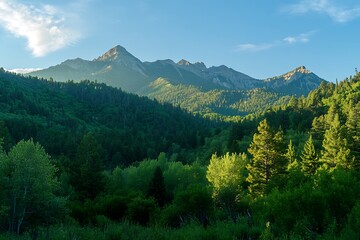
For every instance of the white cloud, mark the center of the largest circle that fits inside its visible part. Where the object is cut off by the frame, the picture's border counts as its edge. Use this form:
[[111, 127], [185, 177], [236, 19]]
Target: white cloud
[[336, 12], [24, 70], [251, 47], [44, 27], [302, 38]]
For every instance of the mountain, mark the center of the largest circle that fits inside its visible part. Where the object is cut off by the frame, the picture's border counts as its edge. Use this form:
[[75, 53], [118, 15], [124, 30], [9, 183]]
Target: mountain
[[168, 81], [119, 68], [116, 67], [299, 81]]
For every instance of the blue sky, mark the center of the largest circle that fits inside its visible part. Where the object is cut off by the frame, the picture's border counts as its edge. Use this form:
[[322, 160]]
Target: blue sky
[[259, 38]]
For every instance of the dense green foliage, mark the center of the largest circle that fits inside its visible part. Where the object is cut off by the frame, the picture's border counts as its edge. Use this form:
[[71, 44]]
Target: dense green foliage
[[28, 185], [268, 158], [291, 172], [58, 115], [216, 103]]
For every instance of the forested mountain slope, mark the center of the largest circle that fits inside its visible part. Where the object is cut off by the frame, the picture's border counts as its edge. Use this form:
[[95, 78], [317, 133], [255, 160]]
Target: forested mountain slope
[[58, 114], [216, 104]]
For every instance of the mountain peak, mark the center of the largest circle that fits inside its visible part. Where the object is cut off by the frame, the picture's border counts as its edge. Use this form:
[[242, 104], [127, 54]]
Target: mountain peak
[[184, 62], [300, 69], [197, 65], [118, 55], [287, 76], [115, 54]]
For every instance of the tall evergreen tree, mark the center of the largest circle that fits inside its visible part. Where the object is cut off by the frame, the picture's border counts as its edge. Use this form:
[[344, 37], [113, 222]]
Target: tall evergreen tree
[[318, 130], [335, 150], [268, 159], [291, 157], [353, 132], [157, 187], [86, 170], [309, 159], [331, 114]]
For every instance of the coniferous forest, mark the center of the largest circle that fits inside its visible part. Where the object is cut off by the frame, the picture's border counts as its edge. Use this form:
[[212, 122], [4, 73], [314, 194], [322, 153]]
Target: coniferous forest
[[89, 161]]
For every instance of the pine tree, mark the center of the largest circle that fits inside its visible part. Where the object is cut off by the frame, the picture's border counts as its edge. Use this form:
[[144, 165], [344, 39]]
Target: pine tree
[[293, 103], [353, 132], [86, 176], [318, 130], [331, 114], [335, 150], [291, 157], [268, 158], [157, 187], [309, 159]]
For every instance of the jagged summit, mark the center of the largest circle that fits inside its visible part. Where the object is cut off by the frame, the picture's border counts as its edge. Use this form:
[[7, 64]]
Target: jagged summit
[[117, 54], [301, 69], [184, 62], [121, 56], [288, 76], [197, 65], [119, 68]]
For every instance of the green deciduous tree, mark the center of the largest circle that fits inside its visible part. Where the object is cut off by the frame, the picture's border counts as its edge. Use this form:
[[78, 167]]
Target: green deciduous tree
[[227, 176], [227, 171], [29, 184], [141, 210], [196, 202], [267, 149]]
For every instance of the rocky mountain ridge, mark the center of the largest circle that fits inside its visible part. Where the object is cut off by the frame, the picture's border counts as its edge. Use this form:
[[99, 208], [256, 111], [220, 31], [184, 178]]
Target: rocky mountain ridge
[[119, 68]]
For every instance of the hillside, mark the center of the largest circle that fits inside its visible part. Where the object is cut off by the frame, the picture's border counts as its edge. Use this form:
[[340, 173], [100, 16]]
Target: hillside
[[128, 127], [214, 103]]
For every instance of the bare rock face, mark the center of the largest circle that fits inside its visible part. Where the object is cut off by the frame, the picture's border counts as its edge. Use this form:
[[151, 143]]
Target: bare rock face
[[301, 69]]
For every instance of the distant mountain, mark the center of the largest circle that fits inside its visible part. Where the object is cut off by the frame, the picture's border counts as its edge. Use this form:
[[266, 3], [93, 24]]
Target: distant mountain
[[299, 81], [119, 68]]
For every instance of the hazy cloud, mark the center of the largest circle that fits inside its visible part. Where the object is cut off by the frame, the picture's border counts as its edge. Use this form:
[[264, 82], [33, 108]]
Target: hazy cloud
[[336, 12], [251, 47], [44, 27], [302, 38], [254, 47], [23, 70]]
